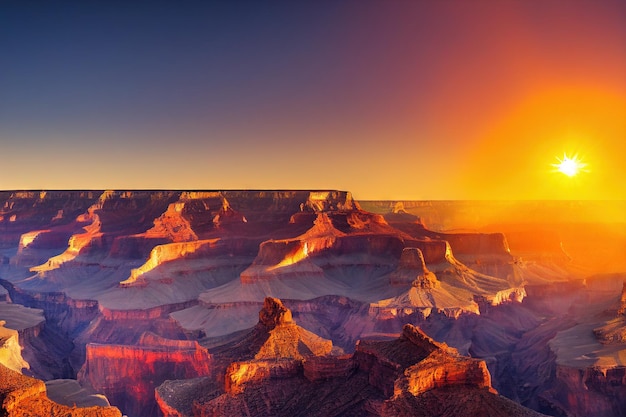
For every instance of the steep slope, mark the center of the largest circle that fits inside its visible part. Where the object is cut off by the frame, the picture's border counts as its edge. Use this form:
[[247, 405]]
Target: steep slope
[[382, 378], [113, 265], [22, 396], [127, 375]]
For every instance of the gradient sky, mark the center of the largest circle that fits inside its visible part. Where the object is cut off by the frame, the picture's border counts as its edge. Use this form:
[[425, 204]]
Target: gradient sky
[[418, 99]]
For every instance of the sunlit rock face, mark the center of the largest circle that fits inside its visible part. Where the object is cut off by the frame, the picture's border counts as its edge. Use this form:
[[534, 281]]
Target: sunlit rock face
[[128, 375], [10, 349], [381, 378], [22, 396], [25, 211], [195, 267]]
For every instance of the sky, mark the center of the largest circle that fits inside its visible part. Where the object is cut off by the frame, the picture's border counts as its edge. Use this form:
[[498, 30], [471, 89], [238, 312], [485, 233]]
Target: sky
[[414, 100]]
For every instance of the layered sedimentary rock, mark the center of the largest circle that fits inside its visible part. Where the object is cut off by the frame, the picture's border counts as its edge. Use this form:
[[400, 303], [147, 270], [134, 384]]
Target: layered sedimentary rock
[[26, 211], [276, 335], [380, 379], [412, 270], [128, 374], [108, 266], [22, 396], [10, 349]]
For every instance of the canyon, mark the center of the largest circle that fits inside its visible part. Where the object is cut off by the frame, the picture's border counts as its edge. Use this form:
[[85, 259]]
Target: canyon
[[305, 303]]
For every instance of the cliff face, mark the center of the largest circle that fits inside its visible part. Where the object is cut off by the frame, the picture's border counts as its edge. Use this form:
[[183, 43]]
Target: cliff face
[[412, 270], [128, 375], [108, 266], [22, 396], [10, 349], [25, 211], [382, 378]]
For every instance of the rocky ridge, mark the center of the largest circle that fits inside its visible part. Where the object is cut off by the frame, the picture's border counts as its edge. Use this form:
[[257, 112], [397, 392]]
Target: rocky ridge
[[108, 267]]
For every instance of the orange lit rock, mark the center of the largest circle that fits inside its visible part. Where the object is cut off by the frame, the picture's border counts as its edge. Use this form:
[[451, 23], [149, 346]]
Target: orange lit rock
[[22, 396], [318, 368], [128, 375], [240, 374], [167, 253], [441, 369]]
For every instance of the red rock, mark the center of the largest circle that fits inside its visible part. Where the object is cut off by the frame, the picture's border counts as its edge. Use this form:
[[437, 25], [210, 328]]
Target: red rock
[[128, 375], [22, 396], [324, 367]]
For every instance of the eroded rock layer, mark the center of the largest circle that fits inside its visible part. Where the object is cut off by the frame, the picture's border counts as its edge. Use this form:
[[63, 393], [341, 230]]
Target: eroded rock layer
[[22, 396], [168, 284]]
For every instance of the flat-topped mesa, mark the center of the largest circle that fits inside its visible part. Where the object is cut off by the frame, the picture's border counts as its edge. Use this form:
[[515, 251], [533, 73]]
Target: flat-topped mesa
[[274, 314], [412, 270]]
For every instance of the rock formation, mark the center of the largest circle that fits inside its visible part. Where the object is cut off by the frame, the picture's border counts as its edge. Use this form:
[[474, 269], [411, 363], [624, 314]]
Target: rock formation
[[22, 396], [381, 378], [105, 269], [412, 270], [128, 375]]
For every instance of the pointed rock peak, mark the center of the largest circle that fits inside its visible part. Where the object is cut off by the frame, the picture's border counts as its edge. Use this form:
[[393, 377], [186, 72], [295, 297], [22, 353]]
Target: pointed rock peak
[[274, 314]]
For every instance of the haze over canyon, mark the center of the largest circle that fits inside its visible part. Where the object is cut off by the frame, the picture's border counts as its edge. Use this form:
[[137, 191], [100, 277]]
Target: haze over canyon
[[309, 303]]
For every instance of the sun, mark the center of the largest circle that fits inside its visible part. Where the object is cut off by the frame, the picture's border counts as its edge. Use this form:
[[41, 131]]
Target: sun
[[570, 166]]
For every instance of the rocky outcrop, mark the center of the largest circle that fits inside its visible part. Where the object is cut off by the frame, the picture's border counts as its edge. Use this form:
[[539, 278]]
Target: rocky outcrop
[[382, 378], [167, 253], [128, 375], [441, 369], [291, 257], [242, 374], [22, 396], [70, 393], [10, 349], [412, 270], [176, 398], [385, 361], [592, 391], [181, 257], [276, 335], [320, 368], [26, 211]]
